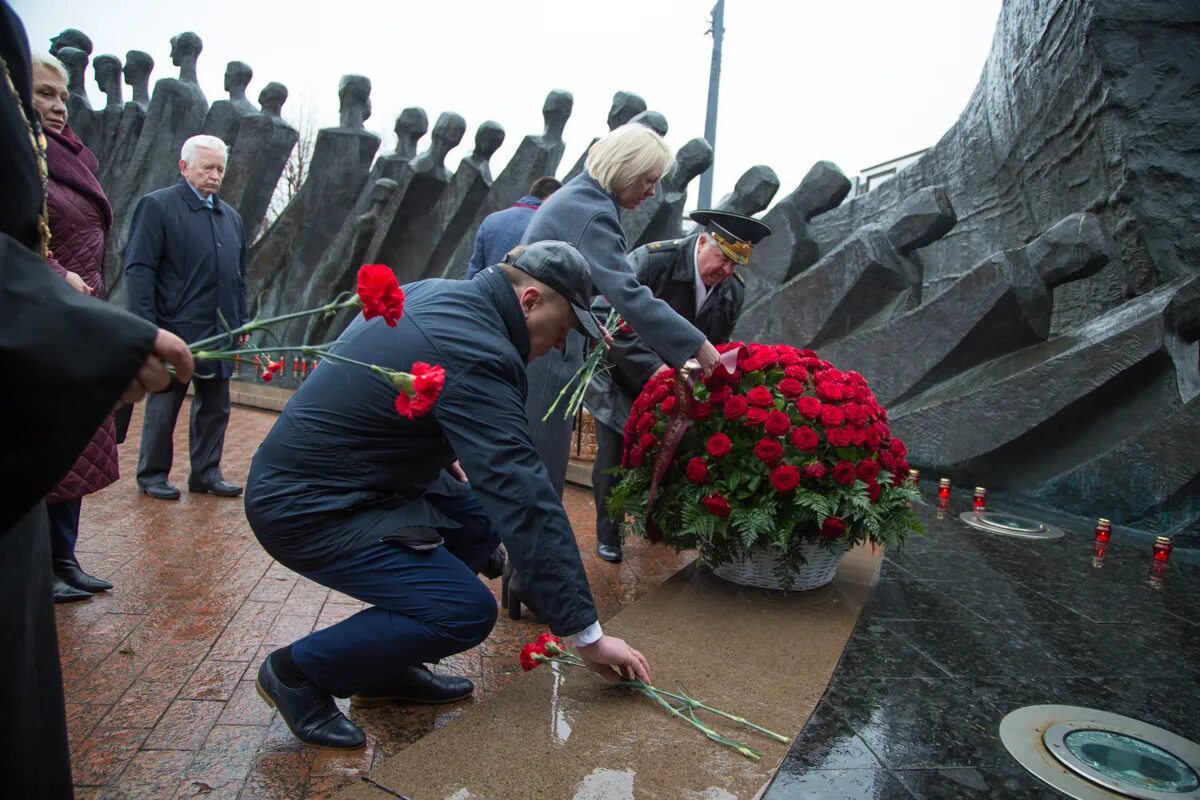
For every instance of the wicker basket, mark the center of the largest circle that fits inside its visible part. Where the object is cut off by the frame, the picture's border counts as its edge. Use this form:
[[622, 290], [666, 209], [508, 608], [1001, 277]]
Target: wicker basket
[[759, 569]]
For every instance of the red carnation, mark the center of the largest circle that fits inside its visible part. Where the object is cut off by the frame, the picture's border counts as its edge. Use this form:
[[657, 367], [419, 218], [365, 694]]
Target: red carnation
[[796, 372], [867, 470], [668, 404], [735, 407], [380, 294], [843, 473], [768, 450], [718, 445], [777, 423], [697, 470], [760, 396], [804, 438], [809, 407], [833, 528], [831, 416], [790, 387], [814, 471], [756, 416], [531, 656], [838, 437], [716, 505], [785, 478], [898, 448], [700, 411]]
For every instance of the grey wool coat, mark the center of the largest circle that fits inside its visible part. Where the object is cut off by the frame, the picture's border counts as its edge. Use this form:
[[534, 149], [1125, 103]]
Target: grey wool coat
[[585, 215]]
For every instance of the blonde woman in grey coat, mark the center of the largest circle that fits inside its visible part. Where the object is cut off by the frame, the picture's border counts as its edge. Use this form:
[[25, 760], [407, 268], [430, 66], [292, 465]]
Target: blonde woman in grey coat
[[621, 171]]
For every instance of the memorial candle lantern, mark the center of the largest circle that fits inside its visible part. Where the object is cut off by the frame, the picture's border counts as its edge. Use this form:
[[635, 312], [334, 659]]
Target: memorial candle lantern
[[1103, 530], [1162, 549], [943, 505], [944, 489], [980, 499], [914, 477]]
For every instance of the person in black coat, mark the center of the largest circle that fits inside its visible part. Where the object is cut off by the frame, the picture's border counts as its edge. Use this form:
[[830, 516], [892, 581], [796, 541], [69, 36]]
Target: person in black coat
[[352, 495], [66, 359], [186, 271], [695, 276]]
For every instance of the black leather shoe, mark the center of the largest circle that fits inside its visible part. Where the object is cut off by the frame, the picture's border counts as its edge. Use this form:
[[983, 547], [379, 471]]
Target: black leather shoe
[[66, 593], [417, 684], [161, 491], [69, 571], [310, 714], [609, 552], [219, 488]]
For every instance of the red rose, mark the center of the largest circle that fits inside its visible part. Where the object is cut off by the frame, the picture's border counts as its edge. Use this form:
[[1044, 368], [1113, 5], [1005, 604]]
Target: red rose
[[898, 448], [804, 438], [829, 390], [796, 372], [735, 407], [720, 394], [838, 437], [777, 423], [809, 407], [697, 470], [718, 445], [767, 356], [380, 294], [873, 437], [856, 413], [867, 470], [659, 391], [716, 505], [768, 450], [811, 362], [788, 356], [636, 457], [831, 416], [833, 528], [668, 404], [700, 411], [750, 363], [785, 478], [843, 473], [760, 396], [887, 460], [756, 416], [790, 387], [647, 441], [873, 491], [814, 471], [645, 422]]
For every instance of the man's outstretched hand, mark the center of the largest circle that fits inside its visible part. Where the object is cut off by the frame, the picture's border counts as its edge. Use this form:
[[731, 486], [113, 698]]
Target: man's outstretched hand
[[615, 660]]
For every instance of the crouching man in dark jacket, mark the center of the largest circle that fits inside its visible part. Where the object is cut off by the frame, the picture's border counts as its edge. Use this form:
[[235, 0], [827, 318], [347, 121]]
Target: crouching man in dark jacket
[[351, 495]]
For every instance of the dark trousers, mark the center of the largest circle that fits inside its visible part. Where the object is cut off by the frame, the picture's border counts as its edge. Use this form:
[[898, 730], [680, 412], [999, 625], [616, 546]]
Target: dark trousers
[[426, 605], [34, 761], [608, 455], [210, 415], [64, 528]]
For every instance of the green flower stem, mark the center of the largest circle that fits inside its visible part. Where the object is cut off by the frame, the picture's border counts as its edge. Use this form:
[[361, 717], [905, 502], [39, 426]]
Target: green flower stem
[[748, 752], [256, 324], [578, 383], [227, 355], [694, 703]]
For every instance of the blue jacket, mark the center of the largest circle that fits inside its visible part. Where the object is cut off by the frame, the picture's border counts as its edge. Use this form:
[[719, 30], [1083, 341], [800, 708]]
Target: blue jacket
[[500, 232], [184, 263], [341, 470]]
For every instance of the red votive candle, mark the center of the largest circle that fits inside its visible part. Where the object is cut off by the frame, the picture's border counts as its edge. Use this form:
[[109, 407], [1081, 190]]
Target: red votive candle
[[1103, 530], [980, 500], [1162, 549], [944, 489]]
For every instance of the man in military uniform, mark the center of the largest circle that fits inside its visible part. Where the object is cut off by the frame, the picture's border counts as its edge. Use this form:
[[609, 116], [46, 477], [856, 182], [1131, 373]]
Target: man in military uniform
[[696, 276]]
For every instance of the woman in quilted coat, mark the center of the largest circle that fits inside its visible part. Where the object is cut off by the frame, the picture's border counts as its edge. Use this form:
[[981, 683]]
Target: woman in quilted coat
[[80, 219]]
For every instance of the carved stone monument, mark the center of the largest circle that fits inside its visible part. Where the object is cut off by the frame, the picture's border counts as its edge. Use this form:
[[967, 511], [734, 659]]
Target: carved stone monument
[[752, 192], [653, 120], [138, 66], [438, 234], [625, 106], [265, 144], [225, 116], [80, 114], [107, 69], [661, 216], [114, 168]]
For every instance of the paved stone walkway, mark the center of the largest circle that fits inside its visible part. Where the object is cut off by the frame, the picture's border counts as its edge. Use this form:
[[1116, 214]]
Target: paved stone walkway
[[159, 672]]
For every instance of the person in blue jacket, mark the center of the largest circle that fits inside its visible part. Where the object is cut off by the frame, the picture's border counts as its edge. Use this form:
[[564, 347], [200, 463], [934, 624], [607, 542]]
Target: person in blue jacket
[[621, 171], [349, 494], [502, 230], [185, 270]]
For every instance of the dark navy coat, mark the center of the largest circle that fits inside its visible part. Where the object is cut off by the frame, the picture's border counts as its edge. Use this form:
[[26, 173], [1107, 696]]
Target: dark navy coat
[[501, 232], [341, 470], [184, 263]]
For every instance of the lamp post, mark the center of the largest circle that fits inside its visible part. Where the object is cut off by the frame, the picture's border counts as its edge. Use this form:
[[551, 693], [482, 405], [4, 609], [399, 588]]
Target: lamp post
[[714, 87]]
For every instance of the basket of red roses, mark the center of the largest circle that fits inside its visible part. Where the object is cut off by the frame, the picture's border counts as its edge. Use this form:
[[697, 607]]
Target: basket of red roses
[[773, 468]]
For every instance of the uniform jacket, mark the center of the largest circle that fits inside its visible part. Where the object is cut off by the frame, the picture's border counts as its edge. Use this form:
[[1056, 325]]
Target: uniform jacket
[[184, 263], [501, 232], [80, 219], [341, 470], [668, 270]]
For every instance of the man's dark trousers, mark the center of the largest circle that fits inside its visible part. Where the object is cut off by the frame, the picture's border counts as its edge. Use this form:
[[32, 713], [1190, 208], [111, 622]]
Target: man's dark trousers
[[210, 416], [608, 455], [426, 605]]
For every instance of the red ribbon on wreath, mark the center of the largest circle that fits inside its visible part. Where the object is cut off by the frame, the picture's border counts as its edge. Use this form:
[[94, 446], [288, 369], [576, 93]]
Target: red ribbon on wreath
[[677, 426]]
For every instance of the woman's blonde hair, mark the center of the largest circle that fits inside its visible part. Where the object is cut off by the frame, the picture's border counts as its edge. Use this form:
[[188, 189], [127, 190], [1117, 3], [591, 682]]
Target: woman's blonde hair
[[51, 63], [626, 154]]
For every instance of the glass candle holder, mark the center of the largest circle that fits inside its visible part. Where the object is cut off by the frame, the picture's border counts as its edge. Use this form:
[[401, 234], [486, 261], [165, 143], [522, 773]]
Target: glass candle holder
[[944, 489], [979, 501], [1162, 549], [1103, 530], [943, 506]]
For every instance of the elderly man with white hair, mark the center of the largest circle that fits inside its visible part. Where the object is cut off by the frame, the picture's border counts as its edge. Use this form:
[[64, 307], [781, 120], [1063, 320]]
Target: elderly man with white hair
[[185, 267]]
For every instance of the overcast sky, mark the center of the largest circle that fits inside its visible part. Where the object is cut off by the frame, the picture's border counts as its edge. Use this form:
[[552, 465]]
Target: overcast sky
[[855, 82]]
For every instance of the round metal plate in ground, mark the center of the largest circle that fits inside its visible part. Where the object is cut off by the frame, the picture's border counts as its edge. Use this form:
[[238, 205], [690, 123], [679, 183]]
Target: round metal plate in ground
[[1006, 524], [1094, 755]]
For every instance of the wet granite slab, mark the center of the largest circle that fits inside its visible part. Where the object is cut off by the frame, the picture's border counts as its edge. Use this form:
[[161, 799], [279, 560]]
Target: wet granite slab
[[767, 656], [964, 627]]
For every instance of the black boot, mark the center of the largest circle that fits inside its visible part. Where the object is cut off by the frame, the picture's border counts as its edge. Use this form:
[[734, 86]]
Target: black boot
[[512, 594], [67, 570], [310, 713], [66, 593]]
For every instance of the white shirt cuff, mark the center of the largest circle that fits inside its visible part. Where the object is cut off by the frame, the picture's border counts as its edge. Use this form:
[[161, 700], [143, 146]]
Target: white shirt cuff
[[589, 635]]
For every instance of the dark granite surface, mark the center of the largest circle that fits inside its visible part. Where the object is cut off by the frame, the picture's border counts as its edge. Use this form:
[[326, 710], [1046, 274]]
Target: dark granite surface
[[964, 627]]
